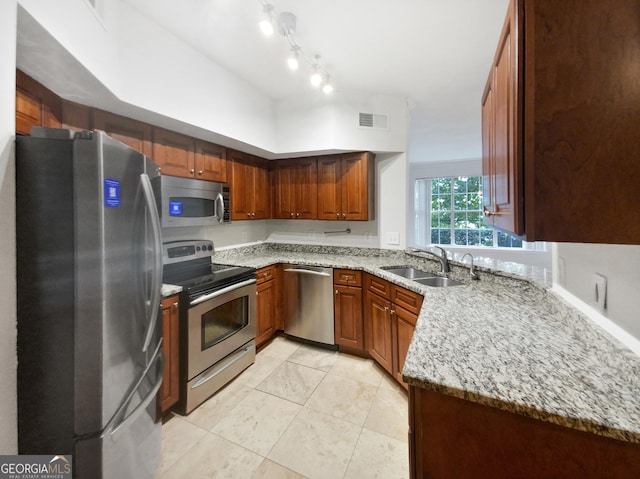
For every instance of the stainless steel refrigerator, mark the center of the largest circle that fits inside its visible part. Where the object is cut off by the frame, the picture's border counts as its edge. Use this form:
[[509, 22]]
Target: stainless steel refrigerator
[[89, 273]]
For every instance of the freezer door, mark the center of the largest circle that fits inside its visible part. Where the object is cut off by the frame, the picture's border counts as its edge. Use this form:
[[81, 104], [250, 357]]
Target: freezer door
[[130, 444], [118, 277]]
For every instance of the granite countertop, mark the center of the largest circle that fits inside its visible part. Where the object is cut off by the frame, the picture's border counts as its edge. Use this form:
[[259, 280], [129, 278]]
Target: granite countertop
[[503, 341], [170, 290]]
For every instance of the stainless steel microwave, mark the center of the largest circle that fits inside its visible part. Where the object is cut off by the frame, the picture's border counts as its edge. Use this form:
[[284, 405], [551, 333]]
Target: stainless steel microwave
[[189, 202]]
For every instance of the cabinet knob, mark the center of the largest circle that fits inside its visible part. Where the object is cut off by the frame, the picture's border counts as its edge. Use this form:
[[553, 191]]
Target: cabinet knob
[[393, 311], [344, 215], [175, 305], [488, 212], [292, 215], [253, 214], [337, 215], [200, 172], [337, 292], [249, 215], [297, 214], [192, 171], [386, 308]]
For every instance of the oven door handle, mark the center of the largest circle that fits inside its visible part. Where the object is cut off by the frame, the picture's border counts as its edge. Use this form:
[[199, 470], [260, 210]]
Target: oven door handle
[[222, 291], [205, 379]]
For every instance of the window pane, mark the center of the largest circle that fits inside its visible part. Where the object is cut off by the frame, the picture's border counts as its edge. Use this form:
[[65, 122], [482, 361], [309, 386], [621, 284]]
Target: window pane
[[474, 184], [486, 238], [445, 219], [475, 219], [473, 237], [445, 236], [461, 237], [460, 220], [460, 185]]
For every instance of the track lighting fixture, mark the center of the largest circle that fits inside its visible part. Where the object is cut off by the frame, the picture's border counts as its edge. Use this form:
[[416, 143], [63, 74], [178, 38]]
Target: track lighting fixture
[[266, 24], [285, 23]]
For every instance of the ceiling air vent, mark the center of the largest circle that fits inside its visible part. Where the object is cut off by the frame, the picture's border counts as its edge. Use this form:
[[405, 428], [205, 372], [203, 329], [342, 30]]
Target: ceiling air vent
[[373, 120]]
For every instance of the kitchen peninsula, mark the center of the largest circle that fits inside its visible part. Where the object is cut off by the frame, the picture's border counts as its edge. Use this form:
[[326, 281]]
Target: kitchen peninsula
[[506, 345]]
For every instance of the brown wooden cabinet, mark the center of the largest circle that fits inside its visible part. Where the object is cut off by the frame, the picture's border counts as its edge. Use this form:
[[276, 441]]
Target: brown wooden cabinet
[[346, 187], [349, 324], [169, 393], [250, 187], [130, 132], [175, 153], [36, 105], [452, 437], [295, 186], [559, 119], [210, 162], [391, 313], [266, 304], [76, 117]]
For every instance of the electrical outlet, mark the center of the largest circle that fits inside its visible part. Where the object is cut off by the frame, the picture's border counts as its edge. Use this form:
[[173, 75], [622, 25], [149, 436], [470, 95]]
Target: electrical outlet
[[393, 237], [562, 278], [600, 290]]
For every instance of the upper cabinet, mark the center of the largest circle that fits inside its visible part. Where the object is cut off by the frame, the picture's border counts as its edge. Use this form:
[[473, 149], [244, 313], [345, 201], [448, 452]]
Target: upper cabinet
[[346, 187], [210, 162], [133, 133], [35, 105], [175, 153], [250, 186], [295, 188], [561, 113]]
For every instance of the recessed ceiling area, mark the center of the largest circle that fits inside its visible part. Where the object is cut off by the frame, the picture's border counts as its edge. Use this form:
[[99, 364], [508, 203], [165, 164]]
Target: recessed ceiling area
[[436, 54]]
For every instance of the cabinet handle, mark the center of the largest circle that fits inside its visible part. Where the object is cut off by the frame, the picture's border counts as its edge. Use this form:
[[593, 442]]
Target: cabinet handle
[[175, 305], [337, 215], [253, 215], [292, 215], [488, 212], [249, 215], [344, 215], [297, 214], [192, 171], [337, 292], [393, 311], [200, 172], [386, 308]]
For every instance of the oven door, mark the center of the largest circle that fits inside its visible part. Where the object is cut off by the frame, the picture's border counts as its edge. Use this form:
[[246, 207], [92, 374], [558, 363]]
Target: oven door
[[219, 323]]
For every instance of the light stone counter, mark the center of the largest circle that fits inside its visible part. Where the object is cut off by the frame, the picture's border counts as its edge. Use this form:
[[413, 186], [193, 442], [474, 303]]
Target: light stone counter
[[170, 290], [501, 341]]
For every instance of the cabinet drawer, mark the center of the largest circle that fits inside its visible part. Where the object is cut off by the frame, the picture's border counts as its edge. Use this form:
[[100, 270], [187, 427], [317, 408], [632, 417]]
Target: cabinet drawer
[[407, 299], [265, 274], [347, 277], [378, 286]]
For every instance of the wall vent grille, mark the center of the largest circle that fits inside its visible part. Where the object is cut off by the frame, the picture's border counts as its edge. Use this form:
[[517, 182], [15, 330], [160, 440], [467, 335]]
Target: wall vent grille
[[373, 120]]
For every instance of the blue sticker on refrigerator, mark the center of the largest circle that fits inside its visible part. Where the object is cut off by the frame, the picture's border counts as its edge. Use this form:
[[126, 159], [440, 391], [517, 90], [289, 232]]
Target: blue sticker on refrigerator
[[111, 193]]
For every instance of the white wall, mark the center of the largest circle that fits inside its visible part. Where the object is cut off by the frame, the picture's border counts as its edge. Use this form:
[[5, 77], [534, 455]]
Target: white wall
[[315, 122], [619, 263], [8, 360]]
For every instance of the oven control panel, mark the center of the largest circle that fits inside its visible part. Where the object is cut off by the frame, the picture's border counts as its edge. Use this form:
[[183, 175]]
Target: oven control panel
[[177, 251]]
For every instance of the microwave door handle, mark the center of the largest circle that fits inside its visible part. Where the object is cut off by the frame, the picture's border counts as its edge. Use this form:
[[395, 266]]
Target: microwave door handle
[[219, 208], [156, 281]]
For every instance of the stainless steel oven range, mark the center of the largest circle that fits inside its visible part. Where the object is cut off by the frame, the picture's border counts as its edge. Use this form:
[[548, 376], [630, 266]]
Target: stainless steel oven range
[[217, 319]]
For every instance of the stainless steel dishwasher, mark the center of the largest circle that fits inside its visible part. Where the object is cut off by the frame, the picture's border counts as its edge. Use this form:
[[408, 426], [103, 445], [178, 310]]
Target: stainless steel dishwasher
[[308, 298]]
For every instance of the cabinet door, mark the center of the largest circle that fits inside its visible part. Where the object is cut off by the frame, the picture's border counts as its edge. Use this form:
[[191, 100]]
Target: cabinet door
[[329, 191], [265, 311], [261, 193], [488, 157], [210, 162], [241, 182], [173, 152], [378, 330], [284, 197], [501, 103], [130, 132], [404, 323], [356, 176], [349, 328], [35, 105], [306, 188], [76, 117], [169, 393]]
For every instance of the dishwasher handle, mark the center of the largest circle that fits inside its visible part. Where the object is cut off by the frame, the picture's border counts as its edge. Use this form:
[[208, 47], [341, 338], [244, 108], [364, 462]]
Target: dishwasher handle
[[306, 271]]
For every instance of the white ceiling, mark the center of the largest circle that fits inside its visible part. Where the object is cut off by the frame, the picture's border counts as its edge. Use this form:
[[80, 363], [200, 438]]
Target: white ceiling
[[436, 53]]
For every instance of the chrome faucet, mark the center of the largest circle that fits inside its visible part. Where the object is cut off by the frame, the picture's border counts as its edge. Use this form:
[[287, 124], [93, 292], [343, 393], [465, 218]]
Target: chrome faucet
[[442, 257], [472, 273]]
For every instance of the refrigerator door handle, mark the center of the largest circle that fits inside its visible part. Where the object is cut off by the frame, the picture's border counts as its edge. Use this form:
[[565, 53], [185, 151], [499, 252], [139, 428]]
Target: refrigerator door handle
[[156, 282], [113, 431]]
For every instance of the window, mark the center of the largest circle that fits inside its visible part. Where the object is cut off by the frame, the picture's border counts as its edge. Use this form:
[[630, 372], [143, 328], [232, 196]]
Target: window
[[449, 212]]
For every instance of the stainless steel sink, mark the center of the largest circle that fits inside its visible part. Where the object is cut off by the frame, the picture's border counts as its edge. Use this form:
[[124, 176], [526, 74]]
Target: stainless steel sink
[[410, 273], [438, 282]]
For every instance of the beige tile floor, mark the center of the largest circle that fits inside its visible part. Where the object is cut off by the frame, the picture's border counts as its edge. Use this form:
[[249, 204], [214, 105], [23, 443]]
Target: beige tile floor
[[298, 412]]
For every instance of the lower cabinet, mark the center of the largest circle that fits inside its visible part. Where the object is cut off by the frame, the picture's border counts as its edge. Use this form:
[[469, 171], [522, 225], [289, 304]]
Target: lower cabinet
[[347, 305], [169, 393], [391, 313], [452, 437], [266, 303]]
